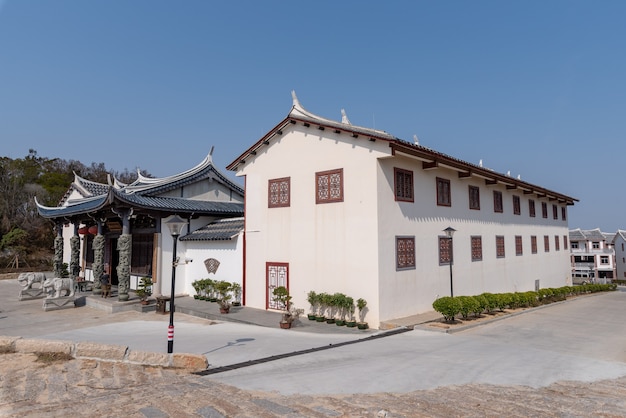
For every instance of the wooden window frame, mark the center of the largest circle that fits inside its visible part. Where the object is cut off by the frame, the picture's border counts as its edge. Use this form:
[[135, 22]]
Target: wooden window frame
[[477, 247], [563, 213], [546, 243], [474, 197], [517, 205], [405, 253], [498, 206], [557, 243], [544, 210], [565, 242], [276, 198], [555, 212], [403, 192], [500, 248], [519, 247], [444, 192], [329, 199], [533, 244], [531, 208]]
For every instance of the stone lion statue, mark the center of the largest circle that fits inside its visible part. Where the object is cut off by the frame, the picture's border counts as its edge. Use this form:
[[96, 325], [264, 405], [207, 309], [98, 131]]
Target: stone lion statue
[[55, 286], [26, 280]]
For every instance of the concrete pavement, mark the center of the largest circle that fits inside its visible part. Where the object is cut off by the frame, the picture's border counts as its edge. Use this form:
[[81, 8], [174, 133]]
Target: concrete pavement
[[581, 340]]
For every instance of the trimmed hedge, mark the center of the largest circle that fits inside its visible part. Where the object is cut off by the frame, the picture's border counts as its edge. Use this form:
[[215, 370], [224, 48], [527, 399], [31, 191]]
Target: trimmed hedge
[[450, 307]]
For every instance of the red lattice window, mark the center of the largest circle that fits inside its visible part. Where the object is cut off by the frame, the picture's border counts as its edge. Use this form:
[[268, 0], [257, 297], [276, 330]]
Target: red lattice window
[[329, 186], [555, 212], [565, 242], [500, 246], [443, 192], [544, 210], [477, 248], [445, 250], [519, 249], [533, 244], [531, 208], [546, 243], [517, 208], [497, 201], [563, 213], [474, 197], [405, 252], [277, 274], [403, 184], [279, 191]]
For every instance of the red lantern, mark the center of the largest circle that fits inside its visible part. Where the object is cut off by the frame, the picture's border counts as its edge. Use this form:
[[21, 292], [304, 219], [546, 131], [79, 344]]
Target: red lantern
[[84, 230], [93, 230]]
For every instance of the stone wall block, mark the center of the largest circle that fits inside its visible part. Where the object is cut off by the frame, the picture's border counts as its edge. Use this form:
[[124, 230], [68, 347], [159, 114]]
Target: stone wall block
[[148, 358], [191, 362], [101, 351], [28, 345]]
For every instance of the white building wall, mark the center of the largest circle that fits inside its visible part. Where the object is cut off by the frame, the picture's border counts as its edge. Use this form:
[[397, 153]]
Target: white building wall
[[330, 247], [407, 292]]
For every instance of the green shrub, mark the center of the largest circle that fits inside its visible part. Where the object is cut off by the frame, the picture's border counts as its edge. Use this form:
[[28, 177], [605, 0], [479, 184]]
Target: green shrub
[[448, 306], [469, 304], [483, 305], [492, 301]]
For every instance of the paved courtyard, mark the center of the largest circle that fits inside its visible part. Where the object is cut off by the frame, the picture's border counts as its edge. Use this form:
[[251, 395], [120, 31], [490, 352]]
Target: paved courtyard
[[566, 359]]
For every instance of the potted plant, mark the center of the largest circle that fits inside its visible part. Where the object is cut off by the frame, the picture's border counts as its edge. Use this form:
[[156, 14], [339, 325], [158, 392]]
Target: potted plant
[[223, 296], [144, 289], [361, 305], [236, 290], [332, 308], [351, 322], [283, 298], [312, 298], [209, 288], [323, 300], [340, 317]]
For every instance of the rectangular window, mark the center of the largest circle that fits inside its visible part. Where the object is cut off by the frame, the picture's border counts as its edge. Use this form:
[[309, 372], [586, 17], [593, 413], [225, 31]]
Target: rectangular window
[[500, 246], [533, 244], [557, 245], [544, 210], [497, 201], [518, 245], [445, 250], [474, 198], [477, 248], [595, 245], [517, 209], [279, 191], [403, 185], [563, 213], [574, 245], [604, 259], [443, 192], [329, 186], [405, 253], [565, 242], [546, 243], [555, 212], [531, 208]]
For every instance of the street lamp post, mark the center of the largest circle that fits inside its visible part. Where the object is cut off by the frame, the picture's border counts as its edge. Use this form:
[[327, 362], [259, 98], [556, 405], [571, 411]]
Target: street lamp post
[[175, 225], [449, 232]]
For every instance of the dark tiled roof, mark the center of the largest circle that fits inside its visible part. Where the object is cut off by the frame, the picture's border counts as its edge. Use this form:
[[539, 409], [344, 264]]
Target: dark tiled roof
[[85, 206], [181, 205], [224, 229]]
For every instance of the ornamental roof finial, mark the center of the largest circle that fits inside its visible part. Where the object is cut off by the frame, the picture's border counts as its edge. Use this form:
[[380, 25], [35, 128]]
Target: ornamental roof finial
[[296, 102], [344, 117]]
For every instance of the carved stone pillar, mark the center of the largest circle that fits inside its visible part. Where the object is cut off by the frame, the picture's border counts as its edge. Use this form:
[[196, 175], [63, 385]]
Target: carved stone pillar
[[98, 260], [124, 248], [75, 255], [58, 250]]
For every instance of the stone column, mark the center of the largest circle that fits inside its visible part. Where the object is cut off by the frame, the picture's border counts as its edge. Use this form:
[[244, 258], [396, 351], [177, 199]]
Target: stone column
[[98, 260], [58, 250], [124, 247], [75, 255]]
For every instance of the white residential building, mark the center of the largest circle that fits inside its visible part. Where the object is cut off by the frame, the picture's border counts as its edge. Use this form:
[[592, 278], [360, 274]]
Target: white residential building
[[592, 256]]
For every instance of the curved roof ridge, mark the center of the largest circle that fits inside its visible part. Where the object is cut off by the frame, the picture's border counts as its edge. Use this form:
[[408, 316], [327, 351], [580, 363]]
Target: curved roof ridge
[[145, 183], [297, 110]]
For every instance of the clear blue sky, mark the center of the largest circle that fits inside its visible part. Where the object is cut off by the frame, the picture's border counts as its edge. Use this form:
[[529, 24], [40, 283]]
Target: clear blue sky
[[531, 87]]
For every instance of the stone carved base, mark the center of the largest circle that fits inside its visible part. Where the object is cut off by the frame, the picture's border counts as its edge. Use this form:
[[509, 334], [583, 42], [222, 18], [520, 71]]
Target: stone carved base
[[33, 293], [58, 303]]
